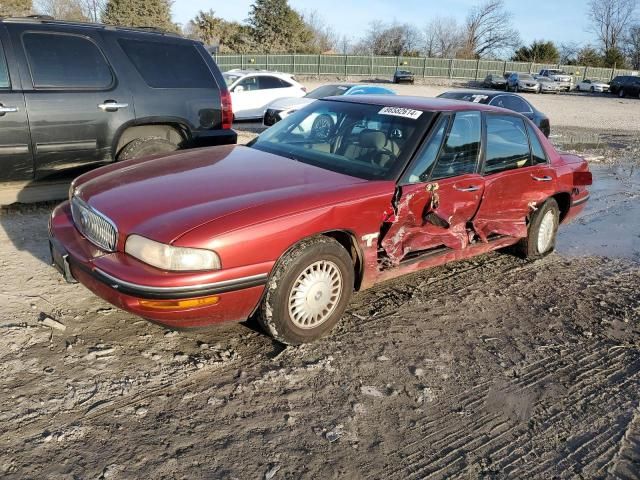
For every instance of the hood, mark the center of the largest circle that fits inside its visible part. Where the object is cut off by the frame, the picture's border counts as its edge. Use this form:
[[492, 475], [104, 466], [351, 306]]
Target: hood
[[163, 198], [290, 103]]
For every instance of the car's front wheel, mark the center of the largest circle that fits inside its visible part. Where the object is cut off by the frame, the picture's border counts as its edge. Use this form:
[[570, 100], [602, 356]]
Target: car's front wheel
[[308, 291], [543, 229]]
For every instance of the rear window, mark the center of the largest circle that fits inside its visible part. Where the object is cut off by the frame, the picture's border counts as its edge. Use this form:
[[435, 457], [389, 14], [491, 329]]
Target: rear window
[[168, 65], [327, 91], [66, 61]]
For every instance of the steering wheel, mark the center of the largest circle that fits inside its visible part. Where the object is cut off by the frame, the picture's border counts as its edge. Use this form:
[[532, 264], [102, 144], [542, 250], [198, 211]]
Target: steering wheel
[[322, 127]]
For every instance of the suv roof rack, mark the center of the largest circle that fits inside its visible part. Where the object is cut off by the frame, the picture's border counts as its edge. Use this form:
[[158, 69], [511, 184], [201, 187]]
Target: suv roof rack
[[45, 19]]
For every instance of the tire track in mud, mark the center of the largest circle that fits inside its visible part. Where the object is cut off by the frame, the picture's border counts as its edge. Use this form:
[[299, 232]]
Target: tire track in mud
[[504, 442]]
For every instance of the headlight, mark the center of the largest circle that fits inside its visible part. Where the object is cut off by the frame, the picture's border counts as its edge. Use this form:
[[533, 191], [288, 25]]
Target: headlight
[[171, 258]]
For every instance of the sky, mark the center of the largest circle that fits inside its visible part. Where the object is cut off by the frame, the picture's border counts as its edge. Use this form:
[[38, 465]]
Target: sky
[[561, 21]]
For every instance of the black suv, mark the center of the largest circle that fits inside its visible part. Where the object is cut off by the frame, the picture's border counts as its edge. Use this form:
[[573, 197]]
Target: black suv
[[76, 95], [625, 85]]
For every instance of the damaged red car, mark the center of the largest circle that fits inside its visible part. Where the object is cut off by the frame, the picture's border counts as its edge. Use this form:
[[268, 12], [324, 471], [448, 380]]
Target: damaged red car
[[341, 195]]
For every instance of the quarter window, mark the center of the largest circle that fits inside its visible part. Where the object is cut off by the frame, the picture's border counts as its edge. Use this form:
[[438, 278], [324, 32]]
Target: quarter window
[[4, 72], [66, 61], [537, 152], [461, 149], [507, 144], [168, 65]]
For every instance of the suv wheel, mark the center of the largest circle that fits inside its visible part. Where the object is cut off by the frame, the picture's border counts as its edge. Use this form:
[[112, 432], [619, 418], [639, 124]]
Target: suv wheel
[[621, 93], [541, 237], [145, 147], [308, 291]]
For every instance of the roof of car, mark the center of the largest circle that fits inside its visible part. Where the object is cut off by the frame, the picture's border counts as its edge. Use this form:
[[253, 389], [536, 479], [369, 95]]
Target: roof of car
[[48, 20], [488, 93], [418, 103], [238, 72]]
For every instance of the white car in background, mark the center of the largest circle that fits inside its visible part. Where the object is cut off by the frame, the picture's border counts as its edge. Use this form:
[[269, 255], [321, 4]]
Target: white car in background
[[252, 90], [284, 107], [592, 86]]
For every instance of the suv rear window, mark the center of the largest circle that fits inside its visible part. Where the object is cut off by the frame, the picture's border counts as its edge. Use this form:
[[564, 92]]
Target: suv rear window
[[66, 61], [168, 65]]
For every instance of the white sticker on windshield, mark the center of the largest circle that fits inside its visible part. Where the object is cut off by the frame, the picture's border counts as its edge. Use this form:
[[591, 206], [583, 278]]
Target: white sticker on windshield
[[401, 112]]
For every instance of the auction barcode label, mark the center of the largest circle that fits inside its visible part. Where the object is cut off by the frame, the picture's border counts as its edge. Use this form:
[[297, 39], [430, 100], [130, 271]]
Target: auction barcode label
[[401, 112]]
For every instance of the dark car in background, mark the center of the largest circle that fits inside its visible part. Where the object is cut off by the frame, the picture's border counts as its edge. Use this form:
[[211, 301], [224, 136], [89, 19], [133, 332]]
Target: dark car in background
[[510, 101], [495, 80], [625, 86], [403, 76], [76, 95]]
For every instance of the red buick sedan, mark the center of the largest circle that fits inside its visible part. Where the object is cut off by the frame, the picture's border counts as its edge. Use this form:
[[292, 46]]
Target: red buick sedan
[[343, 194]]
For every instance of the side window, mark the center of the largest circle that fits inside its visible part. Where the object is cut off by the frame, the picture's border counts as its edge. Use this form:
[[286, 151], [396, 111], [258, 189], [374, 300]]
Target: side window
[[249, 84], [419, 172], [461, 149], [507, 144], [66, 61], [538, 154], [4, 71], [168, 65], [511, 102], [267, 82]]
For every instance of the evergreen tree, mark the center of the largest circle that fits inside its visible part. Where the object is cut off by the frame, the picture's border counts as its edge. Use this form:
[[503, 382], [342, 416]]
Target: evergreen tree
[[279, 28], [15, 8], [539, 52], [139, 13]]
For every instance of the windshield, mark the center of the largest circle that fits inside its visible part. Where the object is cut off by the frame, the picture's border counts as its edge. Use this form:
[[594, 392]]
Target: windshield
[[230, 79], [365, 141], [557, 72], [327, 91]]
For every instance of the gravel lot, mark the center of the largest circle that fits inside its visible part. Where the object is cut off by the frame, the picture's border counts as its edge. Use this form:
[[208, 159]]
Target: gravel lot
[[489, 368]]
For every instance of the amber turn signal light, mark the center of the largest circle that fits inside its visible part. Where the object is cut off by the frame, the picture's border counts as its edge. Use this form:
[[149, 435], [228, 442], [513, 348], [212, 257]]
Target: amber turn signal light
[[178, 304]]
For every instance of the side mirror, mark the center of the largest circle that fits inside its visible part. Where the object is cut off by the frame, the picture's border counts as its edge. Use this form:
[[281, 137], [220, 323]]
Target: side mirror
[[238, 89]]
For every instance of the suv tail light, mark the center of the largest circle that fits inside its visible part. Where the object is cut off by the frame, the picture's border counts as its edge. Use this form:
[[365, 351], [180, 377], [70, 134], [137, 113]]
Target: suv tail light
[[227, 109]]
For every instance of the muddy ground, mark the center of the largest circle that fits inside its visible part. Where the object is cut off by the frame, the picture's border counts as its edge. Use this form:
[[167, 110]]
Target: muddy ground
[[491, 368]]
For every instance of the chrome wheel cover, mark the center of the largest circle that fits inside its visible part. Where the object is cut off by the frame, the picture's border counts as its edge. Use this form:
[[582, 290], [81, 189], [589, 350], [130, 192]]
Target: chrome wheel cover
[[546, 231], [315, 294]]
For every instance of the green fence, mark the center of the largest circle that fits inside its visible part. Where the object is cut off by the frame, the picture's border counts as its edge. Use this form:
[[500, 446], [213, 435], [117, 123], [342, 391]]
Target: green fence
[[377, 66]]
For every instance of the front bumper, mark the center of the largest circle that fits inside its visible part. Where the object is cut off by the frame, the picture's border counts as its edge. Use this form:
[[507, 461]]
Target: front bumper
[[149, 292]]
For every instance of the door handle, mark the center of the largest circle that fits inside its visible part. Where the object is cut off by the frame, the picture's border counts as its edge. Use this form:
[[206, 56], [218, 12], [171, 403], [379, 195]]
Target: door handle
[[112, 106], [470, 188], [546, 178], [4, 110]]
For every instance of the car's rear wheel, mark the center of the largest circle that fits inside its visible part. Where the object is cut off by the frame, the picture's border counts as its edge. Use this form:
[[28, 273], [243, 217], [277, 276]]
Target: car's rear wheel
[[307, 292], [621, 93], [145, 147], [542, 232]]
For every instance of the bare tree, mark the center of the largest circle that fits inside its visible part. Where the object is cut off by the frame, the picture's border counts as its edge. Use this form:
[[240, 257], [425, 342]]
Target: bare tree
[[488, 30], [62, 9], [633, 46], [610, 20], [443, 38], [569, 52], [324, 37], [390, 39], [93, 9]]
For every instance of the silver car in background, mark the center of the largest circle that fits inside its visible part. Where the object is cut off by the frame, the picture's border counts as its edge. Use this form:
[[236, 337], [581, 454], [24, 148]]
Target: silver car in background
[[523, 82], [548, 86]]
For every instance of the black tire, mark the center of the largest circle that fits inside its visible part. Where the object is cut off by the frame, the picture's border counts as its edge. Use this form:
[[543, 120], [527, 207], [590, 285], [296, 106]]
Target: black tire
[[621, 93], [145, 147], [528, 247], [274, 313], [593, 90]]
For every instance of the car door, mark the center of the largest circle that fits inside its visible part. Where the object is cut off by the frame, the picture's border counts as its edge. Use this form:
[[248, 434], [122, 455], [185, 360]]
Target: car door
[[440, 192], [74, 99], [273, 88], [16, 160], [245, 97], [517, 177]]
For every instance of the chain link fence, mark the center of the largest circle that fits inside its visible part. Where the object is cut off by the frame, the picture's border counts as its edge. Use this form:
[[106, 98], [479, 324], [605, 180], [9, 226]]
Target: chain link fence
[[379, 66]]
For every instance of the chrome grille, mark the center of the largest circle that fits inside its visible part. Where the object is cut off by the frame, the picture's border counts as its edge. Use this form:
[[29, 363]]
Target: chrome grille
[[94, 226]]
